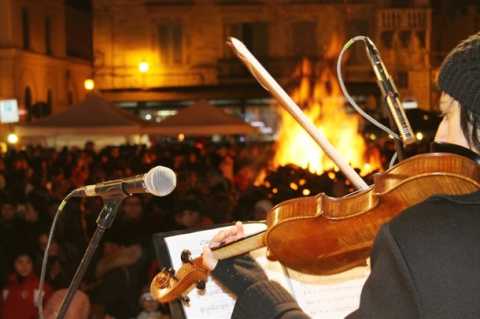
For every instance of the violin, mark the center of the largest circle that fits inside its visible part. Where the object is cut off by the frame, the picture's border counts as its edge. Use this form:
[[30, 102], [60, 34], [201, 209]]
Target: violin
[[324, 235]]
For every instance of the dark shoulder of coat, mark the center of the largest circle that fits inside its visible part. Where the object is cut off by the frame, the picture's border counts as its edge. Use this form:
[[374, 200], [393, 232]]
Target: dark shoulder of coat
[[440, 242]]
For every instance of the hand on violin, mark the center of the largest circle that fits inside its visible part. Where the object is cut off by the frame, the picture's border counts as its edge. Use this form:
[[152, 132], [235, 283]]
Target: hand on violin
[[223, 237], [236, 274]]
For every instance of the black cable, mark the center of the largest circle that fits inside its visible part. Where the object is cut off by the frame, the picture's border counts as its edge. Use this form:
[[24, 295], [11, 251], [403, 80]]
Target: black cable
[[45, 254]]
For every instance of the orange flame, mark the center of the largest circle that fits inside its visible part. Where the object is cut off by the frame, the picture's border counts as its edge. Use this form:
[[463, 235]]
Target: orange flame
[[323, 103]]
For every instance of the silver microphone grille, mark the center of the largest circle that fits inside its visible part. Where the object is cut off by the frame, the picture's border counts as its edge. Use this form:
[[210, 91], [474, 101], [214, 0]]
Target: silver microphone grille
[[160, 181]]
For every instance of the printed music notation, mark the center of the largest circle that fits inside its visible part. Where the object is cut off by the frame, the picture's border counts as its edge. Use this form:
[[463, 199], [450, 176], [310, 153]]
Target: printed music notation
[[323, 297], [329, 297], [215, 302]]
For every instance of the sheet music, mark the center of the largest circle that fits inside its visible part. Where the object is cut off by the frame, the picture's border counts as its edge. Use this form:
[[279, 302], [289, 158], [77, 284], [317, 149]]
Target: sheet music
[[215, 303], [329, 297]]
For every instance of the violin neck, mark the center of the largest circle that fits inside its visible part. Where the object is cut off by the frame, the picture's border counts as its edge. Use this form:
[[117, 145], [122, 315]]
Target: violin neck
[[240, 246]]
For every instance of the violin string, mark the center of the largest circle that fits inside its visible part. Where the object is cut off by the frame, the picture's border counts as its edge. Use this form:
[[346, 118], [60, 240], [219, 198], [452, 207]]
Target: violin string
[[393, 160]]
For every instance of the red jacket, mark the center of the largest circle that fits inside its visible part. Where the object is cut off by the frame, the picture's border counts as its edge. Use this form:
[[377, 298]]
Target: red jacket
[[19, 298]]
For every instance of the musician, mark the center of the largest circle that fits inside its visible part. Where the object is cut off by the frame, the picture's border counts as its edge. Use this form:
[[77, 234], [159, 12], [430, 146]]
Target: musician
[[426, 262]]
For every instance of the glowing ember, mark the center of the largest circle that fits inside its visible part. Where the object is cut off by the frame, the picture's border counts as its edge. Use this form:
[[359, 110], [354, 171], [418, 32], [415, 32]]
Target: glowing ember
[[323, 103]]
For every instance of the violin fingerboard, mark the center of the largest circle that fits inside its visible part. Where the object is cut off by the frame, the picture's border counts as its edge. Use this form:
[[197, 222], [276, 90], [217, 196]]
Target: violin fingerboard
[[240, 247]]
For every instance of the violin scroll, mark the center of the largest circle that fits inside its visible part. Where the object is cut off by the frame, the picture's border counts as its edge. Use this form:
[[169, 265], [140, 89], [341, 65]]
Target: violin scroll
[[169, 285]]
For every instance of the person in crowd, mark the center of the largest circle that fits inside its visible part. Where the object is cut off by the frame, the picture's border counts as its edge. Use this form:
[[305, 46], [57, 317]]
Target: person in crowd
[[121, 275], [32, 226], [79, 307], [244, 177], [62, 260], [21, 292], [132, 226], [150, 308], [189, 213], [11, 227], [212, 179], [261, 209], [425, 262]]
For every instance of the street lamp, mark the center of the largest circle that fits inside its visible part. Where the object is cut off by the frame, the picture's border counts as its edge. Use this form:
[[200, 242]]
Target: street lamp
[[89, 84], [12, 138], [143, 67]]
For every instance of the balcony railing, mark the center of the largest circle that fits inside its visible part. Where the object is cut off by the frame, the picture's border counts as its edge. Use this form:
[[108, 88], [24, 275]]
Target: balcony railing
[[238, 2], [168, 2], [394, 19]]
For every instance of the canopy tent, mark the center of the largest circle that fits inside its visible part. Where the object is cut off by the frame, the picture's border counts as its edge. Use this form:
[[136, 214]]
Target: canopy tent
[[92, 116], [202, 119], [92, 119]]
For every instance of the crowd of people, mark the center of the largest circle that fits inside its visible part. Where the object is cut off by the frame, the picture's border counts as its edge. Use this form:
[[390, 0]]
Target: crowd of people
[[215, 184]]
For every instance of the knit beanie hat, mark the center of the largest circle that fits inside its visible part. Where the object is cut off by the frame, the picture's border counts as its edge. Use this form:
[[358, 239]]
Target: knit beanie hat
[[459, 74]]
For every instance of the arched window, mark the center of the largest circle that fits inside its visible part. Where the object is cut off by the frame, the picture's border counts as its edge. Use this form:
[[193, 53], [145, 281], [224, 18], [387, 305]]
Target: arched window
[[25, 29], [70, 97], [48, 35], [48, 110], [27, 101]]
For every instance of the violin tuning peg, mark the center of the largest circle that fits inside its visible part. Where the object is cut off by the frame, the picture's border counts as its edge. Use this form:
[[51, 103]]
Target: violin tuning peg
[[162, 280], [171, 272], [201, 285], [186, 256]]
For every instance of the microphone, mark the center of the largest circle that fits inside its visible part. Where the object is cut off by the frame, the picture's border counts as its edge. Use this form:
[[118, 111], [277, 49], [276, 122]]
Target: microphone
[[390, 93], [159, 181]]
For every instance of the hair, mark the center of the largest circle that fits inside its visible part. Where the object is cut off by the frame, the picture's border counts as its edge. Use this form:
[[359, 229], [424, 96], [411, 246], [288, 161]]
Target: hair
[[470, 125]]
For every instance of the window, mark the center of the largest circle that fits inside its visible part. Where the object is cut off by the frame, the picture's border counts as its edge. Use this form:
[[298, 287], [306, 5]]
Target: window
[[304, 39], [70, 97], [314, 1], [387, 39], [27, 101], [168, 2], [49, 101], [401, 3], [170, 38], [25, 29], [402, 79], [421, 38], [357, 52], [48, 35], [238, 1], [253, 34], [405, 38]]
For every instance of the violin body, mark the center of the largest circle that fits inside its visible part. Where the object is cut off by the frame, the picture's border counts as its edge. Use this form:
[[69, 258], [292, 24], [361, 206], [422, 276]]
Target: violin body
[[324, 235]]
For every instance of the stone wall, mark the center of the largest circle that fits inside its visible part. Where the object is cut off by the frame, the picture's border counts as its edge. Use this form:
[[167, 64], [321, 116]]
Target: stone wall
[[37, 67]]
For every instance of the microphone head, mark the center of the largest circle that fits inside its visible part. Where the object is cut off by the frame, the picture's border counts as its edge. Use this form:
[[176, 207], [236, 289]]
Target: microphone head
[[160, 181]]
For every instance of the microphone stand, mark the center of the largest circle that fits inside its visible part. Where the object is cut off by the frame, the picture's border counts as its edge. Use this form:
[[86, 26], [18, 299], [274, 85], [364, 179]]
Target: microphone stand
[[104, 221]]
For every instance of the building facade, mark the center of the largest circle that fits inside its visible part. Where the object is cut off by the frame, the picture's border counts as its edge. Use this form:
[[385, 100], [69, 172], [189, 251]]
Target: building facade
[[183, 45], [44, 60]]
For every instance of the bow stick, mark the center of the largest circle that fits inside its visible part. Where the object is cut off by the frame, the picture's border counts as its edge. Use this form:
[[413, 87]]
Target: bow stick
[[269, 84]]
